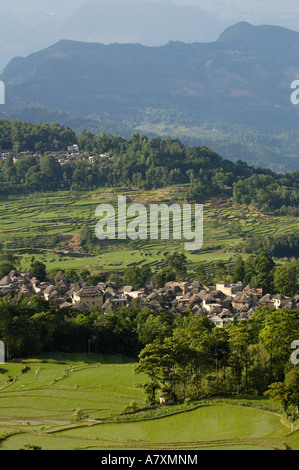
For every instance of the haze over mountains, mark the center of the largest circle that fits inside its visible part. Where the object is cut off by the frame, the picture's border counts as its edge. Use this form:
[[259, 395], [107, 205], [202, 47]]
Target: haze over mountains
[[108, 64], [29, 26], [247, 69], [232, 94]]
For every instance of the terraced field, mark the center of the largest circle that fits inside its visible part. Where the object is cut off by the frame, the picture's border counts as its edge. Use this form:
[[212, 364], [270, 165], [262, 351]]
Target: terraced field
[[40, 399], [29, 223]]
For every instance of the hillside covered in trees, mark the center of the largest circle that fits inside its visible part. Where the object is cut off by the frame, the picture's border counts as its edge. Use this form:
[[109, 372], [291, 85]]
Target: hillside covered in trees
[[137, 162]]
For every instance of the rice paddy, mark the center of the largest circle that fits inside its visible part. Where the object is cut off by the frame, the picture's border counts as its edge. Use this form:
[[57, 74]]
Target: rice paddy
[[40, 399], [48, 226]]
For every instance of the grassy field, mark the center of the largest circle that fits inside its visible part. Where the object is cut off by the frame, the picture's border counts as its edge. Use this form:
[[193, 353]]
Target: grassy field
[[28, 225], [39, 399]]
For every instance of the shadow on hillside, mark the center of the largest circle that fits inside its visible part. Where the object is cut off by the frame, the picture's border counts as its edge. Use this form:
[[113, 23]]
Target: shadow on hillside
[[77, 359]]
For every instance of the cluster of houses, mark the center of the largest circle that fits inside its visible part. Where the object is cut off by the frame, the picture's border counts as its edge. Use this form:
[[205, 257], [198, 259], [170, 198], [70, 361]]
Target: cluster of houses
[[72, 154], [221, 303]]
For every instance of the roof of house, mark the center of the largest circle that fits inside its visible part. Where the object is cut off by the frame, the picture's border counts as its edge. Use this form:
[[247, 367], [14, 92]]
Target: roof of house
[[242, 297], [90, 292], [266, 298], [60, 277], [49, 290], [5, 281], [80, 306]]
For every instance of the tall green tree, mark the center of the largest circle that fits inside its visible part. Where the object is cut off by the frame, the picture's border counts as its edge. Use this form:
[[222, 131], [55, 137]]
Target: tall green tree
[[201, 273], [286, 280], [149, 364], [239, 269], [264, 269], [38, 270], [239, 340], [136, 276], [8, 262], [178, 263], [280, 330]]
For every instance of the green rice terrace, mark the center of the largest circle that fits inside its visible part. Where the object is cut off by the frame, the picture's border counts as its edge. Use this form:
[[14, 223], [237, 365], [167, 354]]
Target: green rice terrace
[[49, 225], [68, 402]]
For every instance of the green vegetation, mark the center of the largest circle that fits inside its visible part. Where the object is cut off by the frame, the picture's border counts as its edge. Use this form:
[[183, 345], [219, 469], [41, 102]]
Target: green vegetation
[[148, 164], [22, 137], [183, 356], [49, 227], [97, 399], [278, 245], [42, 399]]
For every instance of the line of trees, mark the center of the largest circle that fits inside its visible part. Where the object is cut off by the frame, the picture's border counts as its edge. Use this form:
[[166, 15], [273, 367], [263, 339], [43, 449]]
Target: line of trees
[[23, 136], [244, 357], [277, 245], [260, 271]]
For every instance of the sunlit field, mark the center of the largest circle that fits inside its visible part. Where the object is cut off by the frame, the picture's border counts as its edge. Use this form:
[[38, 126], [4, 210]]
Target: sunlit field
[[41, 399]]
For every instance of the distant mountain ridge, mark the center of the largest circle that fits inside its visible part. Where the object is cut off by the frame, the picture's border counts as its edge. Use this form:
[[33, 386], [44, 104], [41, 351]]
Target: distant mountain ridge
[[241, 79], [263, 35], [36, 24]]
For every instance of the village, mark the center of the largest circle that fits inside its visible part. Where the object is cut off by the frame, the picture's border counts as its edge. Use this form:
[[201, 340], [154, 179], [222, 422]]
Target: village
[[221, 304], [63, 157]]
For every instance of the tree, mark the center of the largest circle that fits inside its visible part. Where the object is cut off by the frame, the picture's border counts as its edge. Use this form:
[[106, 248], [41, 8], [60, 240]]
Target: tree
[[51, 172], [279, 331], [239, 269], [149, 364], [234, 227], [220, 351], [264, 269], [38, 270], [136, 276], [287, 392], [8, 262], [221, 272], [31, 447], [178, 263], [198, 335], [163, 276], [72, 275], [85, 274], [285, 280], [239, 340], [154, 328], [94, 279], [249, 271], [201, 273], [116, 279], [88, 240]]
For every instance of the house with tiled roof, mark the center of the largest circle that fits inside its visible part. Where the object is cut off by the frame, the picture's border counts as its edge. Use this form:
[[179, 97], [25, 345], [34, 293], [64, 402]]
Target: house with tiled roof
[[90, 296]]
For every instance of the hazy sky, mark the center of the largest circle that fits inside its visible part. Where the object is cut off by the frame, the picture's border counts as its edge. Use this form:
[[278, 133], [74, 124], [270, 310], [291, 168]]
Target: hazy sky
[[285, 13], [260, 10], [285, 10]]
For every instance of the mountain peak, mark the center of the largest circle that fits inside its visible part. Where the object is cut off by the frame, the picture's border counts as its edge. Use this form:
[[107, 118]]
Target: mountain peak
[[237, 30], [246, 33]]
